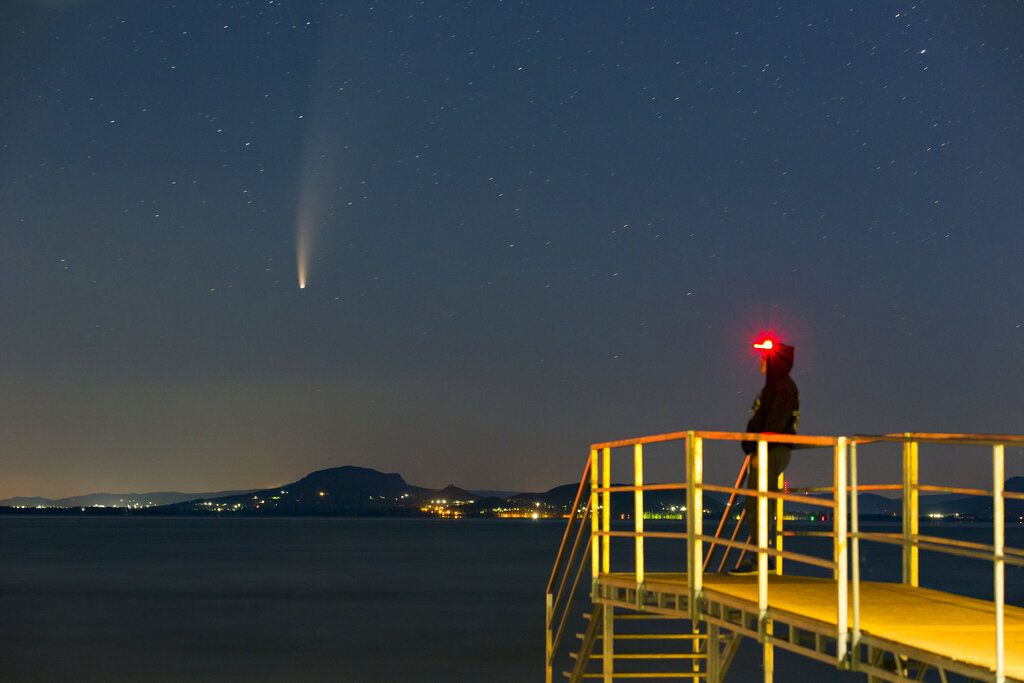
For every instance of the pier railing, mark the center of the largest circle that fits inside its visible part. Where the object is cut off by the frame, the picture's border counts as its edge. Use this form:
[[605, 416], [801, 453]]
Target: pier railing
[[910, 538], [839, 500]]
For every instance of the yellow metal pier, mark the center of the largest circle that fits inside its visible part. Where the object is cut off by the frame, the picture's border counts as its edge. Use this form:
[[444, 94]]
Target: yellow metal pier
[[687, 625]]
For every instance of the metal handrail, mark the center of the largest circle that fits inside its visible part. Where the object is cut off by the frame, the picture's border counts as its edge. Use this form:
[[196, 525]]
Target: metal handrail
[[725, 514], [553, 638], [568, 525]]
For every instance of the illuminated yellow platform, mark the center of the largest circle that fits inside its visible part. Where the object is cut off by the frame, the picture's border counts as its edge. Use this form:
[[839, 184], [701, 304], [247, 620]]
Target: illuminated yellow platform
[[896, 632], [921, 620]]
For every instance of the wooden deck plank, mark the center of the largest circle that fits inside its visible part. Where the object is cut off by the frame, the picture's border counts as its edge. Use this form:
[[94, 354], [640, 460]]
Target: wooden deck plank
[[953, 626]]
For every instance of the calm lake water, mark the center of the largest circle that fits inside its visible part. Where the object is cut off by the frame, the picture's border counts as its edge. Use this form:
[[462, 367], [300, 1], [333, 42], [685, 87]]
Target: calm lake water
[[175, 599]]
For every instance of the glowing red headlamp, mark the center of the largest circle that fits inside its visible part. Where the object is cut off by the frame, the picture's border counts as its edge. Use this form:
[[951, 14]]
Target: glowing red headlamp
[[765, 345]]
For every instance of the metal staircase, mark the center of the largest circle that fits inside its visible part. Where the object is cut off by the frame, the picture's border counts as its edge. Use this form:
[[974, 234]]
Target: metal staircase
[[632, 643], [652, 647]]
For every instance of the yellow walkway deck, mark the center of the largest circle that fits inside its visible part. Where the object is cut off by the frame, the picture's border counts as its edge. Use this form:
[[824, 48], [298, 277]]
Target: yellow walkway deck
[[951, 626]]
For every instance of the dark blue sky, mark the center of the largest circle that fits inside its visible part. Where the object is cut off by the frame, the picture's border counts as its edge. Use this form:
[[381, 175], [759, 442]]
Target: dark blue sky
[[538, 225]]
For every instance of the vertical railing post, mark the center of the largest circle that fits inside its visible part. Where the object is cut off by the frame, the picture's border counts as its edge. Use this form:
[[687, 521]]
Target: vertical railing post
[[694, 520], [548, 664], [854, 554], [606, 510], [764, 626], [998, 543], [910, 512], [780, 485], [638, 518], [595, 524], [839, 549]]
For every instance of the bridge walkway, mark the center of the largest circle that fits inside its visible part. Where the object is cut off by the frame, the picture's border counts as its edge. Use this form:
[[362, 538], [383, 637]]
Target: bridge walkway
[[896, 618]]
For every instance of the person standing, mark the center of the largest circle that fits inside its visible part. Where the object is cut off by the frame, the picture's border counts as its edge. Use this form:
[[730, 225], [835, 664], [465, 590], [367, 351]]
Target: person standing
[[776, 410]]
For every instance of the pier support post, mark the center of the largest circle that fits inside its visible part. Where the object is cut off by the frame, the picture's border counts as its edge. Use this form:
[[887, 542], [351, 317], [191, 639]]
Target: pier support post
[[547, 641], [608, 644], [768, 651], [714, 655]]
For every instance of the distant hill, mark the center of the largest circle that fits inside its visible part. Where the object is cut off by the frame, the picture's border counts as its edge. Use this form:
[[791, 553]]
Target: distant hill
[[123, 500], [361, 491], [336, 491]]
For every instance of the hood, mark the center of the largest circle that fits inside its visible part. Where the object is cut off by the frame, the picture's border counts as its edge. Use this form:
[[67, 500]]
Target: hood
[[780, 362]]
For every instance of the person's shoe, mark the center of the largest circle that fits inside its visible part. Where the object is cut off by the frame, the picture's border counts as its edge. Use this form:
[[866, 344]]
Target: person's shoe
[[747, 568]]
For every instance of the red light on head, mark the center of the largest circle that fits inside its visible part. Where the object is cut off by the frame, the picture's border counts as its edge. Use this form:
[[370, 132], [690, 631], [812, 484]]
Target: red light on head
[[765, 345]]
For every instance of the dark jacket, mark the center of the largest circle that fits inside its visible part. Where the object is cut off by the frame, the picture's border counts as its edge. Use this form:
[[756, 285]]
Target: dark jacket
[[777, 407]]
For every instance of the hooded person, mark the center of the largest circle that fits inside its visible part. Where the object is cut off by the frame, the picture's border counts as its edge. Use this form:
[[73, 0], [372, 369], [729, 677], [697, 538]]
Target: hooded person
[[776, 410]]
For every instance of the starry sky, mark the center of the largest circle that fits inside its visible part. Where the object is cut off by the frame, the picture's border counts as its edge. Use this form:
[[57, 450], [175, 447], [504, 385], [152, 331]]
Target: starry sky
[[530, 226]]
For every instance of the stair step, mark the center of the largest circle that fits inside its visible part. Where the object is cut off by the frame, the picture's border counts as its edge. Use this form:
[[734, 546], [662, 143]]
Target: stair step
[[652, 636], [631, 655], [650, 616], [692, 675]]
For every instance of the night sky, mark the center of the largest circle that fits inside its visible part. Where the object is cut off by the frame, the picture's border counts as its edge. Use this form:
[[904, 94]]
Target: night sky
[[530, 226]]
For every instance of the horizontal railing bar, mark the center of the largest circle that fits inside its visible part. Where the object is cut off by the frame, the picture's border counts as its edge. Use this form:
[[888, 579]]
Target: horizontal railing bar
[[657, 438], [939, 540], [773, 495], [679, 535], [940, 437], [953, 489], [949, 549], [860, 487], [624, 488], [721, 436], [784, 554], [796, 439]]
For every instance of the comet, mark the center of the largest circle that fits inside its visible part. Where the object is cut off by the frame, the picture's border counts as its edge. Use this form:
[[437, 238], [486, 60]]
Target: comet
[[311, 213]]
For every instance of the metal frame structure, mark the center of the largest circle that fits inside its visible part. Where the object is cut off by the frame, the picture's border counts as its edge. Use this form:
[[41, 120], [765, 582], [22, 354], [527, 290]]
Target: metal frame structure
[[727, 618]]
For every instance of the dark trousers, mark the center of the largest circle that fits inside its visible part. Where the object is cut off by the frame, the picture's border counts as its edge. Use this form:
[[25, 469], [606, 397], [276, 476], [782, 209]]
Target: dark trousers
[[778, 458]]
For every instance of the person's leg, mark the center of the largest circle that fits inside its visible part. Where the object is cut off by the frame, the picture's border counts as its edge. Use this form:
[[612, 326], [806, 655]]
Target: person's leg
[[778, 459]]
